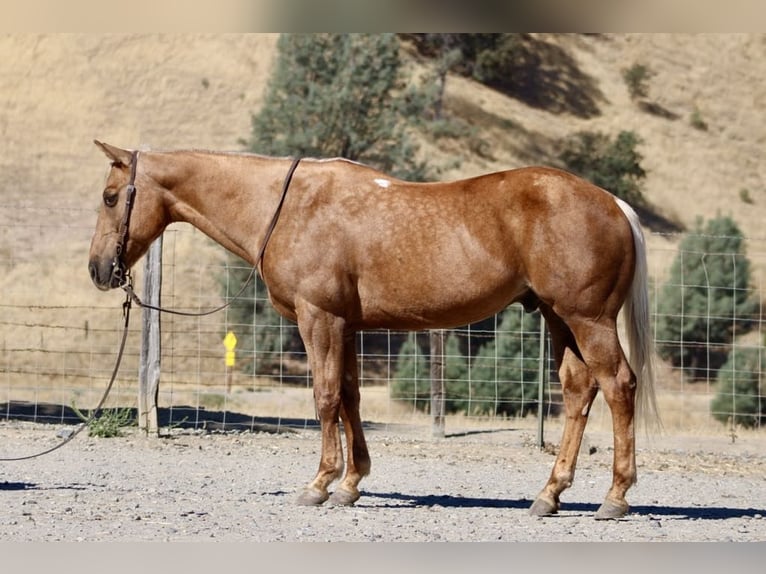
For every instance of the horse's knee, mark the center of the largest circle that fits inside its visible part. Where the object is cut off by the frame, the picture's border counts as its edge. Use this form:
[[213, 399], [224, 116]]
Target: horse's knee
[[327, 403]]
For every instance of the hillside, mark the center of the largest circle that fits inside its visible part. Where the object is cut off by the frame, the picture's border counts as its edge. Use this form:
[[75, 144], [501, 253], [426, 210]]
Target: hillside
[[691, 172], [59, 92], [165, 91]]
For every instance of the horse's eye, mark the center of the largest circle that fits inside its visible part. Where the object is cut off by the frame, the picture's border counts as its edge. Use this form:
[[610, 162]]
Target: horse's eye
[[110, 199]]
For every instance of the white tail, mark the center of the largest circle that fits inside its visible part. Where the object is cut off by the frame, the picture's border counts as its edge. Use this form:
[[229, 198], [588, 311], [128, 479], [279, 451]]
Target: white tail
[[640, 340]]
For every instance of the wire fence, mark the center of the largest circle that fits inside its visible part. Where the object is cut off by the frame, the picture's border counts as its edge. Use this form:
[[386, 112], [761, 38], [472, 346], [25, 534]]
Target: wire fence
[[58, 349]]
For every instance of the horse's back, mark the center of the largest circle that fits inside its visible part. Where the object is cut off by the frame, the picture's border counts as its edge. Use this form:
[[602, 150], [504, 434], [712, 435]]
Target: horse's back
[[422, 255]]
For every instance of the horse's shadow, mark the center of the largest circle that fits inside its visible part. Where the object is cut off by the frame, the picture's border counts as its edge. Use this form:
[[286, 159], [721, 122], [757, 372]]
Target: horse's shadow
[[571, 509], [16, 486], [11, 486]]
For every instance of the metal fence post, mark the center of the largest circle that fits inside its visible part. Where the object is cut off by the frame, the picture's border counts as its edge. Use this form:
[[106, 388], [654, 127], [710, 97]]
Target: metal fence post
[[149, 366], [542, 369]]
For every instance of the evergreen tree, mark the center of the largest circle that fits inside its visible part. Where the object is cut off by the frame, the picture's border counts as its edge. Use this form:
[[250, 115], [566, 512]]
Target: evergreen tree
[[503, 379], [614, 165], [455, 375], [412, 378], [412, 381], [338, 95], [706, 302], [504, 375], [741, 397]]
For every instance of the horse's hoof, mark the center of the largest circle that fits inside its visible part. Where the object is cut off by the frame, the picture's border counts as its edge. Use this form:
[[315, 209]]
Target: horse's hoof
[[311, 497], [612, 509], [543, 507], [342, 497]]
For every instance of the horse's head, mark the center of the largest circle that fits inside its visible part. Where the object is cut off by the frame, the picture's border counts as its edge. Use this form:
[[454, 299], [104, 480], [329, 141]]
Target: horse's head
[[131, 216]]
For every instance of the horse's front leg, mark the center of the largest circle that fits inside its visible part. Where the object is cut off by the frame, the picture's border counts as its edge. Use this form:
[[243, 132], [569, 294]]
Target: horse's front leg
[[358, 460], [322, 334]]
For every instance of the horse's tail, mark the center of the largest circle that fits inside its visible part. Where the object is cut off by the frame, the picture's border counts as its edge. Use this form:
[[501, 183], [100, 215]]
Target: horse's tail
[[638, 326]]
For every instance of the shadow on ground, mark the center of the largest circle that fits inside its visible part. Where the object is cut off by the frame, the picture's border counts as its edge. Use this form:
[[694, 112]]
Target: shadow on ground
[[567, 509], [184, 417]]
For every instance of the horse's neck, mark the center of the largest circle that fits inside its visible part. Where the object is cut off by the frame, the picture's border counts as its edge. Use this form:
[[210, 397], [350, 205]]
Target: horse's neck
[[230, 198]]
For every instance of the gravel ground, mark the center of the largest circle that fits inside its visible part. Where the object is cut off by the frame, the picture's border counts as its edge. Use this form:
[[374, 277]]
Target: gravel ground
[[470, 486]]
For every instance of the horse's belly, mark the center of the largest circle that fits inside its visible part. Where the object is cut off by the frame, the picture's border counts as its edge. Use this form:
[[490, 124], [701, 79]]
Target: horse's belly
[[423, 302]]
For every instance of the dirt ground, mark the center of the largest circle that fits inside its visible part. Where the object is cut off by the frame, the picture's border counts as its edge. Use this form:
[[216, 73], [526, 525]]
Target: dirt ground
[[473, 485]]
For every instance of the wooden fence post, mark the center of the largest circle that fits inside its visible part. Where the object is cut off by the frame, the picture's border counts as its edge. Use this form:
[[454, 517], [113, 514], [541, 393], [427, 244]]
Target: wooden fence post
[[436, 340], [149, 366]]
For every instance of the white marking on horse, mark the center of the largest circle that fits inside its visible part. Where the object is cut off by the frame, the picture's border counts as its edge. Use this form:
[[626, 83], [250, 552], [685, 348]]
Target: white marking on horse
[[384, 183]]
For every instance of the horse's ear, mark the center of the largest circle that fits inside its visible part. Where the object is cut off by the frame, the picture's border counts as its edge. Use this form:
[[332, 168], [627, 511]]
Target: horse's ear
[[117, 155]]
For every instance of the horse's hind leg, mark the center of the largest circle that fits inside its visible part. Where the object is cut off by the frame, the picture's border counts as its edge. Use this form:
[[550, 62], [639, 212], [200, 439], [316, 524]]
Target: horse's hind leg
[[579, 389], [604, 356], [358, 460]]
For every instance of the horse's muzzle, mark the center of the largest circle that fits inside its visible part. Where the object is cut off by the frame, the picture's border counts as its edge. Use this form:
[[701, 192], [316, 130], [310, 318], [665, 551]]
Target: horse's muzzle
[[105, 276]]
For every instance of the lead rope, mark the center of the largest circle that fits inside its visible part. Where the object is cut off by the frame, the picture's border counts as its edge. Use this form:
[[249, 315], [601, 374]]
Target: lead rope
[[127, 286], [94, 413]]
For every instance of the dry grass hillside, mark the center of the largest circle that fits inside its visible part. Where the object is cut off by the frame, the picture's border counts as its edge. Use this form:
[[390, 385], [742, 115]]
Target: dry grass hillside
[[59, 92], [164, 91], [691, 172]]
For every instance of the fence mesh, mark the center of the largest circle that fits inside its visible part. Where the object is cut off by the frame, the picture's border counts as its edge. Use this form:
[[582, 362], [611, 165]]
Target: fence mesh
[[59, 342]]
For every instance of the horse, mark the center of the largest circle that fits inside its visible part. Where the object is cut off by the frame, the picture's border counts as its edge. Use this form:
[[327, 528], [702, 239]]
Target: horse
[[355, 249]]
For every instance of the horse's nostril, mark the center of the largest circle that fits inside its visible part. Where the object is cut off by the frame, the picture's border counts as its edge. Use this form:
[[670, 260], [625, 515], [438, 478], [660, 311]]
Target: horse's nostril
[[93, 270]]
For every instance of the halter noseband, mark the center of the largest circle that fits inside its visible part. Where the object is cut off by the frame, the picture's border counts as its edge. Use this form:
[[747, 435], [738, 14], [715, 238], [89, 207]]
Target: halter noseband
[[120, 273]]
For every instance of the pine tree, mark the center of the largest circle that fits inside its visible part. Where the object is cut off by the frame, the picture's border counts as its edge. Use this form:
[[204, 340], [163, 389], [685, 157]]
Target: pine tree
[[741, 396], [412, 381], [455, 375], [504, 375], [412, 378], [706, 302]]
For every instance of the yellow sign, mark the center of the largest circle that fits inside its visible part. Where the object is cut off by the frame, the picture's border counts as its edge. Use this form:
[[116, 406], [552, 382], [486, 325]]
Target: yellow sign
[[230, 342]]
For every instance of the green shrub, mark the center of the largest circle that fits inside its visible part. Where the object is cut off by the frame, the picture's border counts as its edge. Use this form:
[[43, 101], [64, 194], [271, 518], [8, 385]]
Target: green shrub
[[502, 380], [338, 95], [412, 382], [109, 422], [740, 397], [696, 120], [744, 195], [504, 375], [614, 164], [637, 79]]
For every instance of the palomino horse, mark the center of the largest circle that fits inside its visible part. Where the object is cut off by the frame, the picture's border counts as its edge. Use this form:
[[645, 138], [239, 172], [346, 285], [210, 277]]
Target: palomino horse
[[357, 249]]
